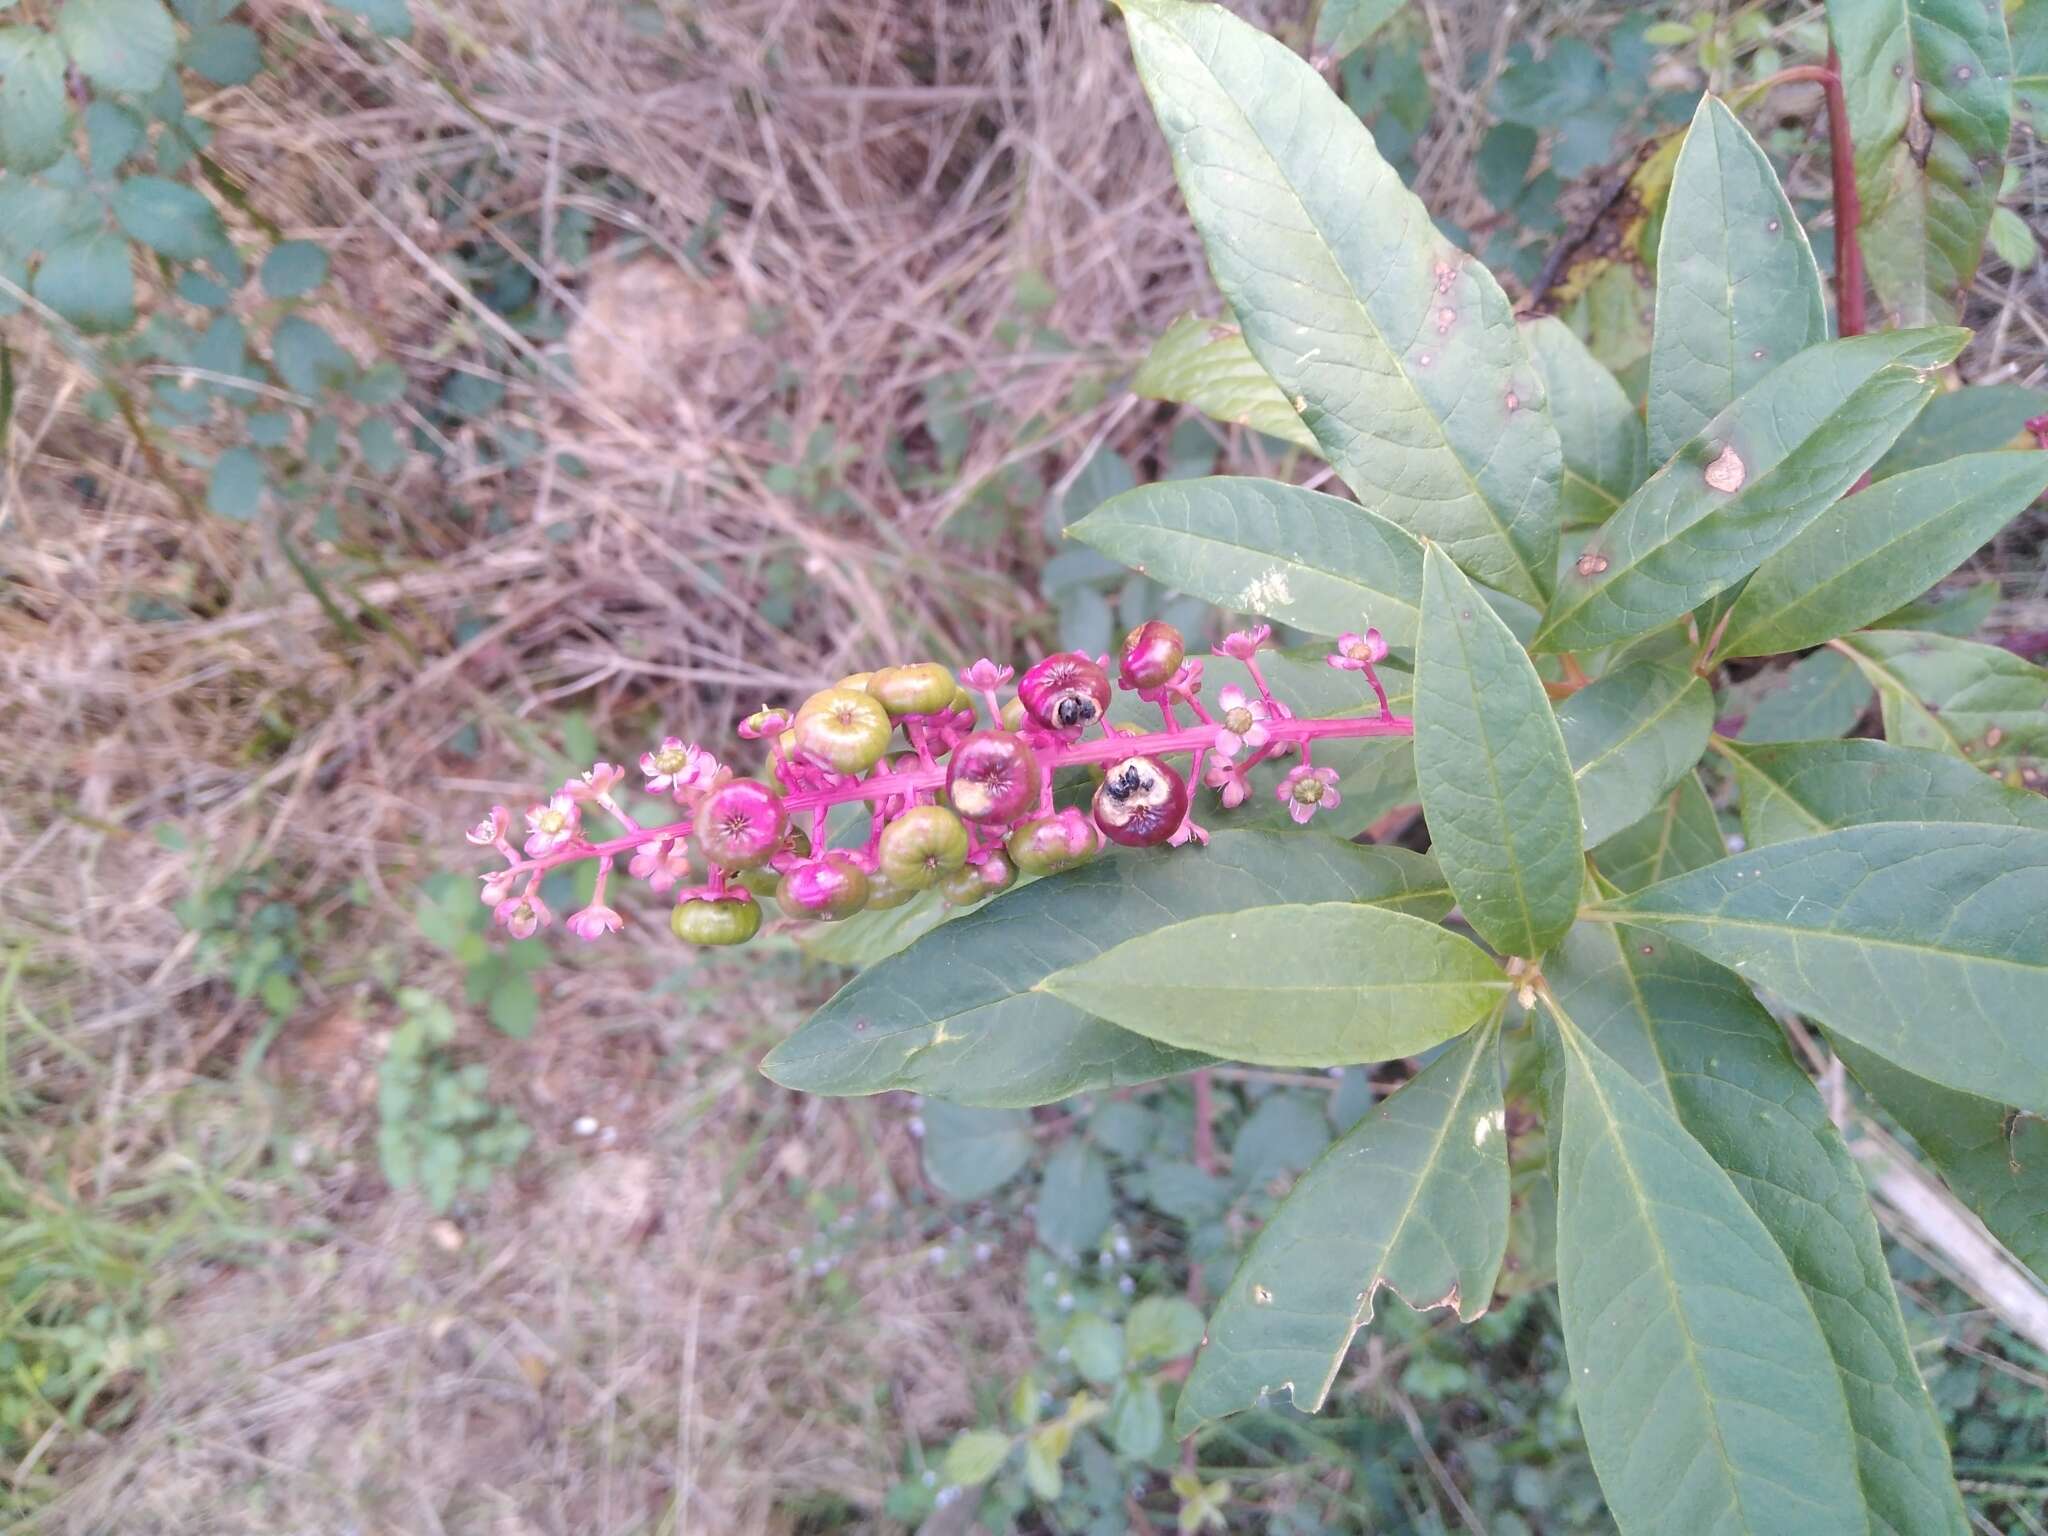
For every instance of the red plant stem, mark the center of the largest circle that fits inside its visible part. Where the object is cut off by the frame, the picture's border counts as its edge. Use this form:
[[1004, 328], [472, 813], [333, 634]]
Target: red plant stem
[[1850, 317], [914, 781]]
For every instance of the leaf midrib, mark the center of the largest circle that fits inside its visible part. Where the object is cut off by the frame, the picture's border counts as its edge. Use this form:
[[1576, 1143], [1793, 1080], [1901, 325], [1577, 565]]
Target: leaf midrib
[[1644, 724]]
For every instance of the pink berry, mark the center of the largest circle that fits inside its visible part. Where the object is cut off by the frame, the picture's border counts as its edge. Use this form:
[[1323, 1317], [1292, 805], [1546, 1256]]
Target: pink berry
[[1053, 843], [740, 824], [1142, 802], [1151, 654], [825, 890], [992, 776], [1065, 692]]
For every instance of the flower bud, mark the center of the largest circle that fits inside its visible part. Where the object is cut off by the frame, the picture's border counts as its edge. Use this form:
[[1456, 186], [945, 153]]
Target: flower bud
[[922, 844], [992, 776], [1151, 654], [1142, 802], [922, 689], [1053, 843], [845, 730], [740, 824], [1065, 692], [825, 890], [716, 920]]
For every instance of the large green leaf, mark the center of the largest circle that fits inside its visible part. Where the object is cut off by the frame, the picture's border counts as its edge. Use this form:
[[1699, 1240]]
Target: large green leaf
[[1298, 557], [1921, 940], [1696, 1359], [1818, 696], [124, 45], [1795, 789], [1739, 492], [1699, 1043], [1496, 781], [1737, 288], [1995, 1159], [1205, 364], [956, 1014], [1399, 349], [1631, 737], [1682, 833], [1980, 702], [1599, 430], [1974, 419], [1929, 111], [2029, 28], [33, 112], [1298, 985], [1413, 1198], [1858, 562]]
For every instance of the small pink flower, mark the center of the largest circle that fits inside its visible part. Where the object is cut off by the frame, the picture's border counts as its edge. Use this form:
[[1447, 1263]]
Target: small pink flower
[[594, 922], [1357, 652], [489, 832], [764, 722], [661, 863], [675, 765], [498, 888], [1243, 644], [550, 826], [985, 676], [523, 917], [598, 781], [1188, 831], [1306, 790], [1229, 779], [1242, 722]]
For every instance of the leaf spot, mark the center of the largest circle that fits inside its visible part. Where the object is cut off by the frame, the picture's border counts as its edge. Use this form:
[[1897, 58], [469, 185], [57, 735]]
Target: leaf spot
[[1773, 227], [1425, 360], [1261, 1296], [1758, 355], [1446, 317], [1514, 402], [1445, 276], [1591, 563], [1300, 404], [1492, 1123], [1265, 593], [1727, 472]]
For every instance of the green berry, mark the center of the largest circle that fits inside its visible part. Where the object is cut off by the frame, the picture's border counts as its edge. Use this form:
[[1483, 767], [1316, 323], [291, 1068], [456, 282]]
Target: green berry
[[844, 729], [922, 844], [922, 689], [717, 920]]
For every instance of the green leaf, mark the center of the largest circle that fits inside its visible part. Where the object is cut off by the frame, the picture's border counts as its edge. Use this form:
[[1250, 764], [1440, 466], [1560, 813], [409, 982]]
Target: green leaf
[[235, 489], [168, 217], [1295, 556], [958, 1013], [1205, 364], [1821, 695], [1413, 1198], [971, 1152], [1074, 1200], [1297, 985], [308, 359], [1597, 424], [1860, 561], [1922, 941], [1738, 292], [1400, 348], [1796, 789], [2013, 240], [2029, 28], [1096, 1346], [34, 115], [124, 45], [514, 1007], [1995, 1159], [1162, 1328], [1632, 736], [1668, 34], [1929, 112], [1345, 26], [1496, 781], [87, 279], [1980, 702], [974, 1457], [1683, 833], [382, 451], [112, 134], [1137, 1421], [1700, 1045], [293, 268], [1694, 1353], [387, 18], [1502, 166], [225, 54], [1974, 419], [1740, 491], [1958, 611]]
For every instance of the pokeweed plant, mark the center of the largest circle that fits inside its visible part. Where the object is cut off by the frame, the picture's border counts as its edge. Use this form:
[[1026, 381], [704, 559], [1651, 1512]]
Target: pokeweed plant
[[1556, 583]]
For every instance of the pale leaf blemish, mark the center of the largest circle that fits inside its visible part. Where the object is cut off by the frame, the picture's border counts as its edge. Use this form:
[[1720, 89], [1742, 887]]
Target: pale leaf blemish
[[1590, 564], [1261, 1296], [1265, 593], [1727, 472], [1492, 1123], [1446, 317]]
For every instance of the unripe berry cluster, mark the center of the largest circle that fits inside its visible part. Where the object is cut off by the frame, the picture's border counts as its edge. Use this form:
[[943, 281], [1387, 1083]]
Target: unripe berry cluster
[[964, 801]]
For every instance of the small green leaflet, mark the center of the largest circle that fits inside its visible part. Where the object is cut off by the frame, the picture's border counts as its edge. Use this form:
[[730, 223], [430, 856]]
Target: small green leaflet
[[1295, 556], [123, 45], [1817, 696], [1865, 556], [1496, 782], [87, 280], [1682, 833], [1974, 419], [1205, 364], [1995, 1159], [1920, 940], [1930, 113], [1413, 1198], [1795, 789], [1740, 491], [1700, 1410], [167, 216], [235, 488], [293, 268], [34, 115], [956, 1014], [1598, 428], [1737, 288], [1702, 1047], [971, 1152], [1980, 702], [1345, 26], [1290, 986], [1631, 736], [1401, 349]]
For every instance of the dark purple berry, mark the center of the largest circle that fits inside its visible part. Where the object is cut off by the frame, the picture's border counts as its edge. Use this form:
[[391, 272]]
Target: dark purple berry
[[1141, 802], [1065, 692], [992, 776]]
